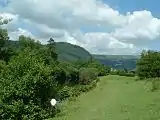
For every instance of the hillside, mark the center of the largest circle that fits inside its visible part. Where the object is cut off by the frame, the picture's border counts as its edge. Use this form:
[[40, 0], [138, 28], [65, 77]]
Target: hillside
[[118, 61], [70, 52], [66, 51]]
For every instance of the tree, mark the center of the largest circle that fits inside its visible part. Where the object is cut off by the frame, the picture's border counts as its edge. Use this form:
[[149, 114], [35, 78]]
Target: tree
[[28, 42], [148, 66], [27, 85], [52, 49], [5, 51]]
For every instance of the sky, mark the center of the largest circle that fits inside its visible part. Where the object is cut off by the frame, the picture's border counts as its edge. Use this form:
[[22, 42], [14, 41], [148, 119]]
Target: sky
[[119, 27]]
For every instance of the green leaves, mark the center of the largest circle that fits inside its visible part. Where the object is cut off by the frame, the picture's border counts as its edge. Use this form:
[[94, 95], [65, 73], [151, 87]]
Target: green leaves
[[29, 80], [87, 75], [149, 65], [4, 21]]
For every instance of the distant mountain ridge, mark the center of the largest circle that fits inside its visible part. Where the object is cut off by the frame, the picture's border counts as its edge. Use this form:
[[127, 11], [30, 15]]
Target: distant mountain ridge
[[118, 61], [69, 52]]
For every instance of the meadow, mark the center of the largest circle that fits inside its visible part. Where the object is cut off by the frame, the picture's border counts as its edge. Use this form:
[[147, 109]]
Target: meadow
[[114, 98]]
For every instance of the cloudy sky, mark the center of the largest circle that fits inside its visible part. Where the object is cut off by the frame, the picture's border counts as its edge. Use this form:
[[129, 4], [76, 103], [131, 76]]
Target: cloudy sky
[[100, 26]]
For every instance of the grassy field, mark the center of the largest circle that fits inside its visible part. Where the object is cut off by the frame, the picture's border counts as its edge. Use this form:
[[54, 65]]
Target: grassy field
[[115, 98]]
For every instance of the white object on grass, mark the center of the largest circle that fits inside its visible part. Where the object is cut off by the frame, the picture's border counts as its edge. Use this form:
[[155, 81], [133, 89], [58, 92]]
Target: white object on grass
[[53, 102]]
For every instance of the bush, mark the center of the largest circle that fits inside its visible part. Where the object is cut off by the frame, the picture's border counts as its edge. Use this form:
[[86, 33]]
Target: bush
[[2, 65], [78, 89], [123, 73], [127, 74], [87, 75], [74, 91], [65, 93], [148, 66], [27, 87]]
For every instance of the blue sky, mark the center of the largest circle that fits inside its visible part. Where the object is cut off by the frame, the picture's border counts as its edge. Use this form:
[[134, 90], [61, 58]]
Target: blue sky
[[102, 27], [124, 6], [3, 2], [134, 5]]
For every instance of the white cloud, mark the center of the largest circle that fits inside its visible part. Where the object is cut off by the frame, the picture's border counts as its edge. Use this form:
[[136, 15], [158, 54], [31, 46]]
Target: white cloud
[[107, 44], [8, 16], [141, 28], [15, 34], [63, 19], [66, 14]]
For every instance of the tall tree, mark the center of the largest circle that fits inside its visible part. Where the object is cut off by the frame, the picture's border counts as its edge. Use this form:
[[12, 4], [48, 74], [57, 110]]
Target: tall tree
[[52, 49], [5, 52]]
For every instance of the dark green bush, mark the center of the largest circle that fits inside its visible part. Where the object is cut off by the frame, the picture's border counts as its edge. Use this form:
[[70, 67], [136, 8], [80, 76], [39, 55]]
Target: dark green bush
[[127, 74], [148, 66], [78, 89], [87, 75], [65, 93], [27, 87], [2, 65], [123, 73]]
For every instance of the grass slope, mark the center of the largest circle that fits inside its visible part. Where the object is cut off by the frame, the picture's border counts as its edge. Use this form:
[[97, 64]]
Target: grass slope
[[115, 98], [70, 52]]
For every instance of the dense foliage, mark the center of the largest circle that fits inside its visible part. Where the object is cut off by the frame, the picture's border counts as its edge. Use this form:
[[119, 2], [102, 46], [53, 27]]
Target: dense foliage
[[32, 75], [149, 65]]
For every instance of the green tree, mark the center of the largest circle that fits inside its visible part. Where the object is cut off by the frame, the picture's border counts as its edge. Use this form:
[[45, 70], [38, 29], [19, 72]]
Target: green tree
[[27, 85], [28, 42], [5, 52], [52, 49], [148, 66]]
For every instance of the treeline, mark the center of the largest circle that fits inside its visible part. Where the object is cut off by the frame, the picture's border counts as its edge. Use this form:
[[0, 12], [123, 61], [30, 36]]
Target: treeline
[[31, 76], [147, 67], [123, 72]]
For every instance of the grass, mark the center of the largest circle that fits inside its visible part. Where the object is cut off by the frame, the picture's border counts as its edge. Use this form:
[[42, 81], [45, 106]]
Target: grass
[[115, 98]]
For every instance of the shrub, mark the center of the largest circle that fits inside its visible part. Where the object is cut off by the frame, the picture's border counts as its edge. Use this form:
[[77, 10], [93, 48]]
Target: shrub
[[78, 89], [87, 75], [2, 65], [65, 92], [127, 74], [148, 66], [123, 73], [27, 87]]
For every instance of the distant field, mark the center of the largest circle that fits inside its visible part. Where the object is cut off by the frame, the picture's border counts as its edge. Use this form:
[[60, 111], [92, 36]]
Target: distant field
[[118, 61], [115, 98], [116, 57]]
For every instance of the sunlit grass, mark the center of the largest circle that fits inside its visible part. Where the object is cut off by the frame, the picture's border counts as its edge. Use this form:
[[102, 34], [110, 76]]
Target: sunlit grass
[[115, 98]]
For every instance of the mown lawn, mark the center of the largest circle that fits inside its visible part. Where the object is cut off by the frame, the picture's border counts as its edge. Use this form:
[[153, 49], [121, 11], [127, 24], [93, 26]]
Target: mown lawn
[[115, 98]]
